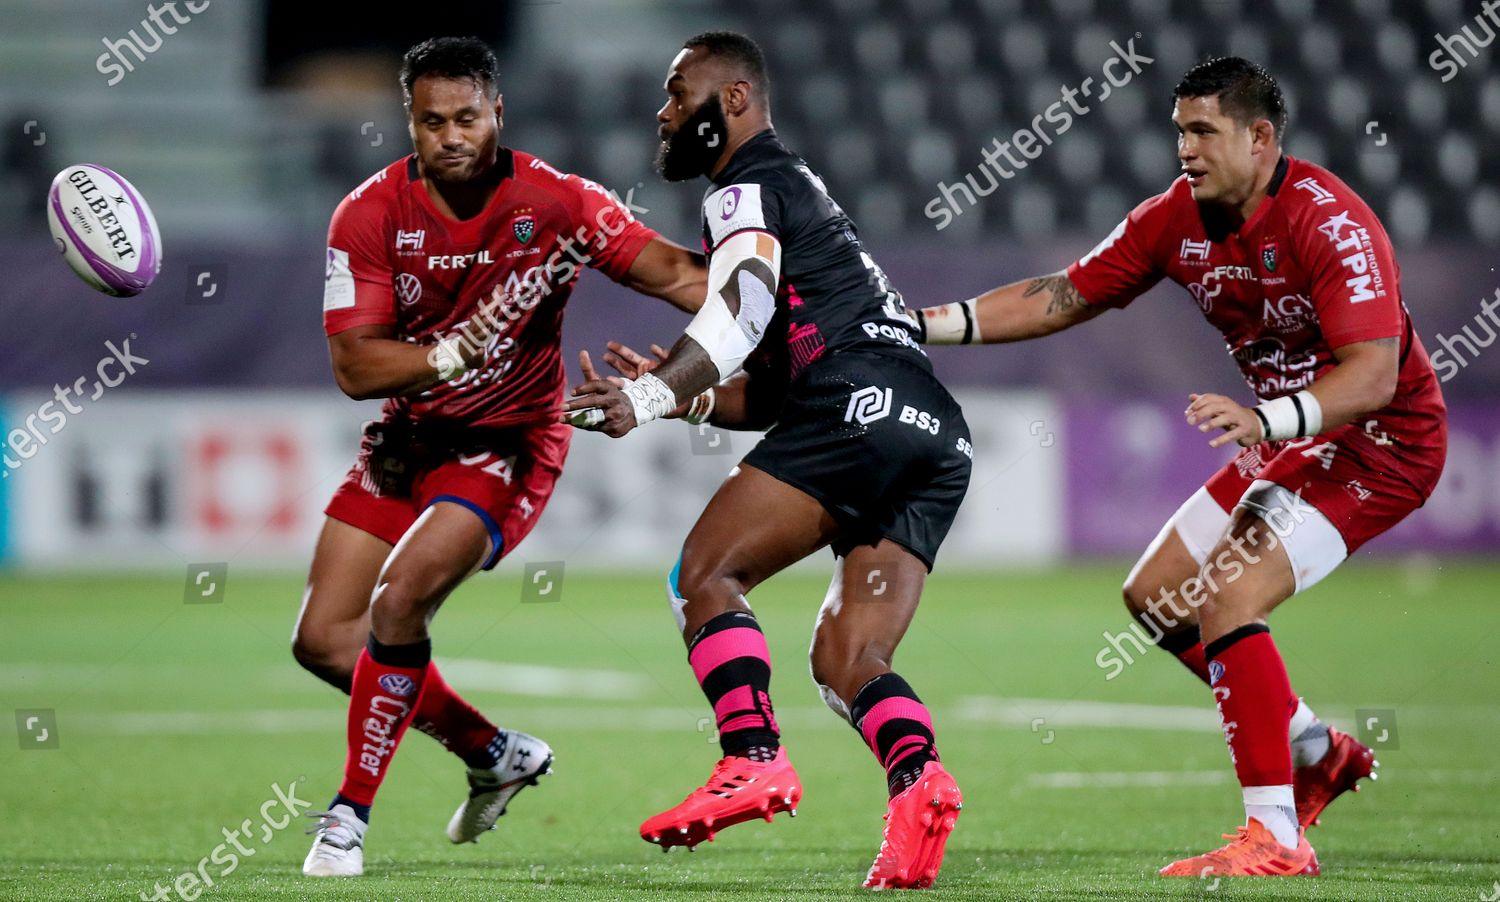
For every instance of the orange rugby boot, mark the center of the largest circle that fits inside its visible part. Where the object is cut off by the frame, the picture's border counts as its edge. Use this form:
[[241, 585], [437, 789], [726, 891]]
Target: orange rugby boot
[[1253, 852]]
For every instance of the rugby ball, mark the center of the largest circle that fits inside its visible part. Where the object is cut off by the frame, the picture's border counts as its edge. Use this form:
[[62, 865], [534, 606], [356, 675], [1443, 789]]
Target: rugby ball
[[104, 229]]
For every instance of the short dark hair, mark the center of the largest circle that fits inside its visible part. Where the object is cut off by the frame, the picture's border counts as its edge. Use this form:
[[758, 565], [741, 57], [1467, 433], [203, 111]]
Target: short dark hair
[[741, 52], [1246, 91], [450, 58]]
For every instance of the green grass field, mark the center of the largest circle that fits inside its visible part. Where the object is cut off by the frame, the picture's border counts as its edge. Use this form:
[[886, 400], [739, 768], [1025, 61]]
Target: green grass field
[[173, 722]]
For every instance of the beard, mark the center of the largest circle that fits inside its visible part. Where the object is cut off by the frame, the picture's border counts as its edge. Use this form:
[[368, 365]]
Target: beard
[[696, 146]]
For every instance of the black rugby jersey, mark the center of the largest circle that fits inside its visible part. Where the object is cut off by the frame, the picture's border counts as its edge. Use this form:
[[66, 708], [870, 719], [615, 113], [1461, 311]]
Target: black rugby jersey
[[831, 296]]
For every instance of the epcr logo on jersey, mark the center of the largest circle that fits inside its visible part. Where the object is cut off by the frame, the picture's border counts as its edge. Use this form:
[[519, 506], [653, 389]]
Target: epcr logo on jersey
[[729, 203]]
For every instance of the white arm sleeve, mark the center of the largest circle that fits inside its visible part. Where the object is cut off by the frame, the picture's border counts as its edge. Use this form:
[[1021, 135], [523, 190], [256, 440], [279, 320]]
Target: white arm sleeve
[[729, 338]]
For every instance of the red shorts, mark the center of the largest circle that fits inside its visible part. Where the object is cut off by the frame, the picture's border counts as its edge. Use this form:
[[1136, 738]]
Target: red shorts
[[1353, 477], [504, 476]]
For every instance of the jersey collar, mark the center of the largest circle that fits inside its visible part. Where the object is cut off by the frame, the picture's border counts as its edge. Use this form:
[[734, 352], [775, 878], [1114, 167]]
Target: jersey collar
[[1277, 177], [1219, 225], [761, 145]]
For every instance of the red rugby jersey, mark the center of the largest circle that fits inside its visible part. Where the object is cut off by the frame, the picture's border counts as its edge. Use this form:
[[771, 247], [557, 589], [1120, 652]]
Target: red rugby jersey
[[394, 259], [1309, 271]]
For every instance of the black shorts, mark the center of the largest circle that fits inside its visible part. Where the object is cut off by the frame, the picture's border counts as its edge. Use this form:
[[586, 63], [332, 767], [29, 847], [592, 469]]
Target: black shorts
[[882, 446]]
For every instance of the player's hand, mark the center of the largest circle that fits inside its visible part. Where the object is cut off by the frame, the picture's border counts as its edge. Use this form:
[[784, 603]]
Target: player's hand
[[599, 405], [1210, 412], [484, 326], [632, 365]]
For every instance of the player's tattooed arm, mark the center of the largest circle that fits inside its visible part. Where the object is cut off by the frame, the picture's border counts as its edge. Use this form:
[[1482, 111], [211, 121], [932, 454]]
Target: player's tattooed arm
[[740, 303], [612, 405], [739, 402], [1027, 309], [1063, 298]]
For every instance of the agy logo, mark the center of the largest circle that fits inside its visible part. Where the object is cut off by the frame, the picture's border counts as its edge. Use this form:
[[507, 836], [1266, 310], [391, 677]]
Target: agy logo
[[869, 404]]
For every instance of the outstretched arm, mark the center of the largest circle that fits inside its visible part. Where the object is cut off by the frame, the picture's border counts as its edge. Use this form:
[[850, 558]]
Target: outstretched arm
[[743, 276], [738, 402], [1015, 312], [671, 272], [371, 362]]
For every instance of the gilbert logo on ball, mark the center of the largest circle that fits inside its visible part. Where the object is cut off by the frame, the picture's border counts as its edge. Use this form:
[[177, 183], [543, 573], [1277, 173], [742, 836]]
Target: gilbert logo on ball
[[104, 229]]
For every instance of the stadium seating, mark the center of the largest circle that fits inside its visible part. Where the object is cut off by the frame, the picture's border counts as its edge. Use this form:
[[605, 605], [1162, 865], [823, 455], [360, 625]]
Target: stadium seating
[[886, 98]]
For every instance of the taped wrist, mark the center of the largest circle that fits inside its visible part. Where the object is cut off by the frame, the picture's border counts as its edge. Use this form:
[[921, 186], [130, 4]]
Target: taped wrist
[[649, 397], [950, 324], [701, 409], [1293, 416], [447, 357]]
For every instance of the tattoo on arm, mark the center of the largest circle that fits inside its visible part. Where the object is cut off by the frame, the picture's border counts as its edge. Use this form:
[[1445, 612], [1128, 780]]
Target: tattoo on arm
[[688, 369], [1065, 298]]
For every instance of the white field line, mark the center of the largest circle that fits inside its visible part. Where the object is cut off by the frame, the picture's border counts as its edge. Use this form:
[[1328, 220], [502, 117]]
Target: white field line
[[541, 680], [330, 720], [1156, 779], [1060, 713], [1126, 779]]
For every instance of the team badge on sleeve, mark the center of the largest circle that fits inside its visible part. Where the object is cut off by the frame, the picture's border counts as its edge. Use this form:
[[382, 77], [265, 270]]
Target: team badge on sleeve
[[338, 281], [733, 209]]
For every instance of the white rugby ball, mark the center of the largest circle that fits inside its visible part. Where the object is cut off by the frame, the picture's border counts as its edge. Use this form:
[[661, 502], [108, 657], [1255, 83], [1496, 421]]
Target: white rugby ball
[[104, 229]]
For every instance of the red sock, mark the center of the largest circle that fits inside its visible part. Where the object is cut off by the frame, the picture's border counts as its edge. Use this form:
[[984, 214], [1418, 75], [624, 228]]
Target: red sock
[[445, 716], [1255, 703], [1188, 650], [386, 690], [1194, 659]]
